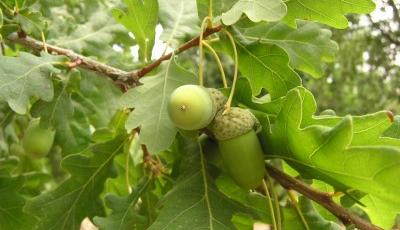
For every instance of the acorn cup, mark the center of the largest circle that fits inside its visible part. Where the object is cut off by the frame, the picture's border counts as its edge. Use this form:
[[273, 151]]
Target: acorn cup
[[239, 146]]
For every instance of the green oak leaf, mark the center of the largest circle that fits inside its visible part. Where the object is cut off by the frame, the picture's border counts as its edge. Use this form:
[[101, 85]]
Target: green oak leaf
[[265, 66], [194, 200], [313, 219], [123, 216], [12, 216], [20, 4], [27, 76], [394, 129], [308, 46], [141, 19], [256, 11], [30, 21], [95, 37], [179, 20], [244, 96], [329, 12], [98, 97], [380, 212], [6, 164], [345, 151], [218, 7], [368, 129], [78, 196], [150, 101], [252, 200]]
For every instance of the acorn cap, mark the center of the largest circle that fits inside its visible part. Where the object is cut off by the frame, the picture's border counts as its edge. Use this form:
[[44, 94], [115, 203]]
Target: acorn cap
[[218, 98], [234, 122]]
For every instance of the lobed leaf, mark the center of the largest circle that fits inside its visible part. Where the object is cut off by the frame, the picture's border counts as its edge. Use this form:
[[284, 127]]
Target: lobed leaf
[[256, 11], [345, 152], [27, 76], [141, 20], [329, 12], [266, 67], [308, 46]]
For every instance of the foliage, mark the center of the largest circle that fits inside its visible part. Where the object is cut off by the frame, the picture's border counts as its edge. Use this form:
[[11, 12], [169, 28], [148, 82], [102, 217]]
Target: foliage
[[117, 157]]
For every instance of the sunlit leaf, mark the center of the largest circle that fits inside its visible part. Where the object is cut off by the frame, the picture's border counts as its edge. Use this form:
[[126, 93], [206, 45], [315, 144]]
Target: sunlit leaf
[[256, 11], [141, 19], [330, 12]]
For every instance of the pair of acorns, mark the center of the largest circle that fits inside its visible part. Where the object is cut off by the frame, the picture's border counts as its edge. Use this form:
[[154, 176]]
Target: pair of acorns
[[193, 107]]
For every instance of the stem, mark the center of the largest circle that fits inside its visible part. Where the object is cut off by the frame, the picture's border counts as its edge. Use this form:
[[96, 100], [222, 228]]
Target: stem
[[276, 202], [322, 198], [230, 98], [44, 42], [201, 54], [271, 207], [210, 13], [127, 158], [219, 63], [292, 197]]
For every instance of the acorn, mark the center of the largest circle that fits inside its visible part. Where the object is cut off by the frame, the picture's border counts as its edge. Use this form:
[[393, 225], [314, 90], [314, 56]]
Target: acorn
[[239, 146], [193, 107]]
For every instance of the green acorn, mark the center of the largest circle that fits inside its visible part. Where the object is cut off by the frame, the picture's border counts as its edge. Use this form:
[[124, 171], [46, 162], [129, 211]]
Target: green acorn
[[37, 140], [239, 146], [193, 107]]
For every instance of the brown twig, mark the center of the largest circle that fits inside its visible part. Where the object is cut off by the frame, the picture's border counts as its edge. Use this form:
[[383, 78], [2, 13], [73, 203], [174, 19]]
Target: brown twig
[[192, 43], [117, 75], [321, 198], [86, 63]]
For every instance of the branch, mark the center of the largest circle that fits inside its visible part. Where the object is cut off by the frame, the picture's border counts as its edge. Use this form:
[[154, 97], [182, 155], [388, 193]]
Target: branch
[[84, 62], [192, 43], [321, 198], [125, 79]]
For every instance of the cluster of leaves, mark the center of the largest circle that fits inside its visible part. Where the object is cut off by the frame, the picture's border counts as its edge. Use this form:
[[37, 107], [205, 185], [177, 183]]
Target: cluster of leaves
[[102, 167]]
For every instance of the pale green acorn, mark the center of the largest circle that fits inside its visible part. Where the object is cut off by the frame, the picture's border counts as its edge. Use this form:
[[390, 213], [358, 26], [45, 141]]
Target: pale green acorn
[[193, 107]]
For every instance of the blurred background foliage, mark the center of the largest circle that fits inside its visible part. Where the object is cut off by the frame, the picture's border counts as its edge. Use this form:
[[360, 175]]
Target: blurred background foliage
[[365, 77]]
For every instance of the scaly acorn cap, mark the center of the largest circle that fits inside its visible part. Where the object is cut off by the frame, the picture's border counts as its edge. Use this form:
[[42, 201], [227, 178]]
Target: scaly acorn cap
[[234, 122], [218, 98]]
